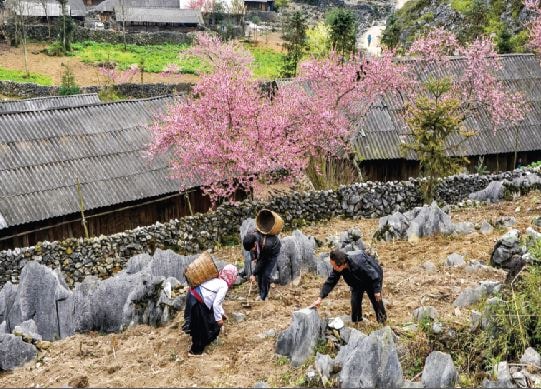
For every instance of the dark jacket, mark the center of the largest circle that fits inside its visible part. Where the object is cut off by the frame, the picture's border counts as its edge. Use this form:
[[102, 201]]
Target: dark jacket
[[363, 273], [268, 248]]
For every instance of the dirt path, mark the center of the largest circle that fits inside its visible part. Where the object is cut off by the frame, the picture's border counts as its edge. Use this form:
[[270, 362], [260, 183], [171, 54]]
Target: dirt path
[[85, 75], [146, 356], [375, 32]]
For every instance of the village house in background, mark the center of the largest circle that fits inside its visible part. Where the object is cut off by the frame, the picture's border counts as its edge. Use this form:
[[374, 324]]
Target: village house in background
[[40, 10], [259, 5]]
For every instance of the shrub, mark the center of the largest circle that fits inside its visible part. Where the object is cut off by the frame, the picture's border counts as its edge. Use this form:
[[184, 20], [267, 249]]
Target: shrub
[[68, 86]]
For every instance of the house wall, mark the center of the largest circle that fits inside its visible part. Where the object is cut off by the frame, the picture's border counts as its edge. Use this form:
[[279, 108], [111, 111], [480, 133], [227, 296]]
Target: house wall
[[106, 221], [402, 169]]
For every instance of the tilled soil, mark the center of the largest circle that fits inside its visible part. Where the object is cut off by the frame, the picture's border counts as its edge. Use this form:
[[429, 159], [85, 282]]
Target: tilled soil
[[85, 75], [151, 357]]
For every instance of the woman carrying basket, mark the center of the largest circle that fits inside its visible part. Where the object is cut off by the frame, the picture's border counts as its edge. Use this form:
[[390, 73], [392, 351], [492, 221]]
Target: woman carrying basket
[[205, 313]]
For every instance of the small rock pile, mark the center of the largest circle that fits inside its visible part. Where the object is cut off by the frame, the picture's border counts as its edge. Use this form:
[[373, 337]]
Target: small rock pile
[[414, 224]]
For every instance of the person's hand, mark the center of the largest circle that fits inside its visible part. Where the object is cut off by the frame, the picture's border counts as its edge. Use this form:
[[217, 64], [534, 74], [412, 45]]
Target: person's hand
[[316, 303], [377, 296], [224, 317], [220, 323], [252, 279]]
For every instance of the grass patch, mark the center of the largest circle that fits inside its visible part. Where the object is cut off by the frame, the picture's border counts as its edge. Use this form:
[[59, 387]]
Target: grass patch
[[20, 76], [267, 62], [156, 57]]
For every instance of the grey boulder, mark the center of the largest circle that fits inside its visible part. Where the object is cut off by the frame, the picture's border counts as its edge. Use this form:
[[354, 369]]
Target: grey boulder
[[15, 352], [43, 296], [455, 260], [439, 371], [531, 357], [425, 312], [493, 192], [299, 340], [373, 363]]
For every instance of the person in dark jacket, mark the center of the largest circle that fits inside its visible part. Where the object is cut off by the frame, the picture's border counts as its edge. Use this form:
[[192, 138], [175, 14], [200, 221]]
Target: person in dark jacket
[[264, 250], [363, 274]]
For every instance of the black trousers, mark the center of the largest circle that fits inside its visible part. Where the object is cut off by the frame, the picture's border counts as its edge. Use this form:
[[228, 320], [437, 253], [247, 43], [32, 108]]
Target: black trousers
[[357, 305], [203, 327], [263, 275], [190, 302]]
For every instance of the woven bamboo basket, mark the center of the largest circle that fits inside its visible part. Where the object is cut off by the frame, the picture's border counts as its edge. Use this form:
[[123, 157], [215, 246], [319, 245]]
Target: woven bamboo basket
[[269, 222], [200, 270]]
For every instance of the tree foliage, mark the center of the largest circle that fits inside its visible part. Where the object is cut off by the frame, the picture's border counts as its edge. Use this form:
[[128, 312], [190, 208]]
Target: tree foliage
[[343, 30], [295, 42], [319, 44], [434, 119]]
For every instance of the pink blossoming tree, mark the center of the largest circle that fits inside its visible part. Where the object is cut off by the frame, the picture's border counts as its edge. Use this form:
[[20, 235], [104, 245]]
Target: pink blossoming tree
[[228, 133]]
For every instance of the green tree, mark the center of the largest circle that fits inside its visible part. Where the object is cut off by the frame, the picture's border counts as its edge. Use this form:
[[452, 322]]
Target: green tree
[[391, 35], [503, 41], [281, 4], [68, 86], [295, 43], [343, 30], [435, 120], [66, 28], [319, 42]]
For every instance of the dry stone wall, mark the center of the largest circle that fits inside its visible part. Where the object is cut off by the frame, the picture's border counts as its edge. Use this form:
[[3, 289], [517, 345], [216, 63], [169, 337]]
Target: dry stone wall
[[28, 90], [105, 255]]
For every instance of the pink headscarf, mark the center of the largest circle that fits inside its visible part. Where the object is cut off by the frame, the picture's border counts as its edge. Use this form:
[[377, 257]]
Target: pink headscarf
[[229, 274]]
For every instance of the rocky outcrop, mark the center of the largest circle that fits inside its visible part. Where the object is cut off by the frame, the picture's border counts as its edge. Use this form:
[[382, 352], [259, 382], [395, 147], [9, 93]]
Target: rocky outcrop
[[414, 224], [15, 352], [373, 363], [439, 371], [298, 342]]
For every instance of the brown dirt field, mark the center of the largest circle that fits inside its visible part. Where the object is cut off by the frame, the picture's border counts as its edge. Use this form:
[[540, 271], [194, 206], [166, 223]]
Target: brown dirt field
[[146, 356], [85, 75]]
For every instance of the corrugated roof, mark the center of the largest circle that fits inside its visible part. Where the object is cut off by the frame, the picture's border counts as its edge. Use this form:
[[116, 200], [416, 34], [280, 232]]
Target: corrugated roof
[[48, 102], [380, 133], [36, 9], [158, 15], [109, 5], [43, 153]]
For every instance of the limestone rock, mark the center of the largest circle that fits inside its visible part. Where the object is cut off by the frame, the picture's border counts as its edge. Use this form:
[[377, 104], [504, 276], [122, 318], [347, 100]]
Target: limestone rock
[[425, 312], [372, 363], [486, 228], [439, 371], [300, 338], [15, 352], [493, 192], [430, 267], [43, 296], [28, 331], [531, 357], [455, 260], [324, 365]]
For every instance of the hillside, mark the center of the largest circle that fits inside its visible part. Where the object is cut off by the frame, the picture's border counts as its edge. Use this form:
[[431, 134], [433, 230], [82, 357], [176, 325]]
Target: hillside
[[146, 356], [505, 20]]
